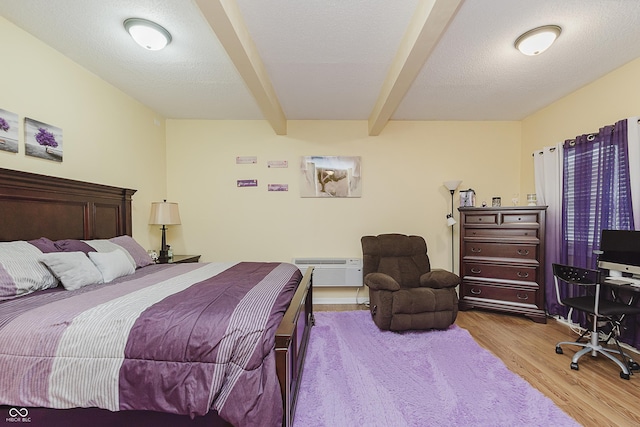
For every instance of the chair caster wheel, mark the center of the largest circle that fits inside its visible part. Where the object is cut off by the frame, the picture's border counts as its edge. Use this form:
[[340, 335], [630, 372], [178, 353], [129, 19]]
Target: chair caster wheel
[[624, 376], [559, 350], [633, 366], [574, 366]]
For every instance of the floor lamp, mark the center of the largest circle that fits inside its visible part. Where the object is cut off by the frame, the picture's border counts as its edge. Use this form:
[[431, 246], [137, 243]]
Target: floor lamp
[[451, 186]]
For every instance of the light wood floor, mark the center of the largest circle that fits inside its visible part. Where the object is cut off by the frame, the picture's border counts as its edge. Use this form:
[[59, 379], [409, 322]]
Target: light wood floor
[[595, 395]]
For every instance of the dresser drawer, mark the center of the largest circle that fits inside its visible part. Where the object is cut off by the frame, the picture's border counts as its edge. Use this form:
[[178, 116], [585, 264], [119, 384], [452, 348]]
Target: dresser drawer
[[506, 272], [504, 233], [485, 218], [500, 293], [511, 218], [501, 250]]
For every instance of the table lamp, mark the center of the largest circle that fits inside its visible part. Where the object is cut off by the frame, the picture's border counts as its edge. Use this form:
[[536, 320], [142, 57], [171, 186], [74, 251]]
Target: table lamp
[[164, 213]]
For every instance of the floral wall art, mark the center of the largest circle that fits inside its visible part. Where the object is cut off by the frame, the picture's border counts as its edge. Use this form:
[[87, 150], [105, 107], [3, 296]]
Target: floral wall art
[[42, 140], [8, 131], [330, 176]]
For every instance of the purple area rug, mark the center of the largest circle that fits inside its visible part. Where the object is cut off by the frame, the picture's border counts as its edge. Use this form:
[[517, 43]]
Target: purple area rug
[[357, 375]]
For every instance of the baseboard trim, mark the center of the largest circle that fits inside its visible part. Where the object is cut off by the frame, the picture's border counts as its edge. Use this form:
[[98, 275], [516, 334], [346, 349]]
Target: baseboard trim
[[344, 300]]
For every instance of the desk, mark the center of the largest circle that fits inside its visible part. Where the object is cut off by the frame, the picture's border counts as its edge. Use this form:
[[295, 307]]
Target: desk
[[613, 281], [626, 294], [615, 320], [617, 287]]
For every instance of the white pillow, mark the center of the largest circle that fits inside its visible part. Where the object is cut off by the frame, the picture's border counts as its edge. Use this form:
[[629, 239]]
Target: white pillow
[[112, 264], [73, 269], [103, 246]]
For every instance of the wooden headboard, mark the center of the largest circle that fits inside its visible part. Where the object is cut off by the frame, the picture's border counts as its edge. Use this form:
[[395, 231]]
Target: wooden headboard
[[33, 206]]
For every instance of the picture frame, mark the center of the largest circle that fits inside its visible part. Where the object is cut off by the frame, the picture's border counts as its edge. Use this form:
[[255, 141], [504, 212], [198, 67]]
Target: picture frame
[[330, 176], [42, 140], [9, 133]]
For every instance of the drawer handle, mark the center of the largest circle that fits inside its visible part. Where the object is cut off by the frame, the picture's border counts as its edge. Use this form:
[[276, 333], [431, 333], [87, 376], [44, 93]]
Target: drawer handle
[[523, 252], [523, 275], [479, 219], [476, 250], [475, 291], [523, 297], [476, 270]]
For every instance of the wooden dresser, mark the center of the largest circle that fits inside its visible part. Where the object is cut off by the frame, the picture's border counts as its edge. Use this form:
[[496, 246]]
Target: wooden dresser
[[502, 260]]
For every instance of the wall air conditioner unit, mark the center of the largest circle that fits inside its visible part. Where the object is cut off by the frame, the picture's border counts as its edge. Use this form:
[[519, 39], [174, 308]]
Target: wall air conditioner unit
[[333, 271]]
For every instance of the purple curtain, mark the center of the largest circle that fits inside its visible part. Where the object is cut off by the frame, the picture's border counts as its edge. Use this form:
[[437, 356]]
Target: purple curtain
[[596, 196]]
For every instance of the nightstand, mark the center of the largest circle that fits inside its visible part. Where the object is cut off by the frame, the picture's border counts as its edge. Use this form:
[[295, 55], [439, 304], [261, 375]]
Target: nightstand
[[181, 259]]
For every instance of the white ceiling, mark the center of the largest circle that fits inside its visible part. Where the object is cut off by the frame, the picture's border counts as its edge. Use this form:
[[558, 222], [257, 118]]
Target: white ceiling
[[331, 59]]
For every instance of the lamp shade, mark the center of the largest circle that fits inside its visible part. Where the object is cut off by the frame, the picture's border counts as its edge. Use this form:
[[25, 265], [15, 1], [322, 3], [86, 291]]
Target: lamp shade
[[450, 220], [452, 185], [164, 213]]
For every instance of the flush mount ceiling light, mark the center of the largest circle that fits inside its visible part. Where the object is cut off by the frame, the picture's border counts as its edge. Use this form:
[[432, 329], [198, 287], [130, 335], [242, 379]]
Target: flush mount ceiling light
[[147, 34], [536, 41]]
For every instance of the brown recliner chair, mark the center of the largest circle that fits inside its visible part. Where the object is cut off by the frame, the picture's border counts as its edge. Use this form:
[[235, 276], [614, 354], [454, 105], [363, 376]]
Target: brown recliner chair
[[404, 292]]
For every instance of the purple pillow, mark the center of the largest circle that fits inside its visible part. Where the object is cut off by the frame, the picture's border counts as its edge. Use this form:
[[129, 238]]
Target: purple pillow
[[137, 252], [45, 245], [73, 245]]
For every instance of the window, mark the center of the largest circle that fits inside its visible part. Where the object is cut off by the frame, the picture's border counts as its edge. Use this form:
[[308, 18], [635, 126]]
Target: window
[[596, 193]]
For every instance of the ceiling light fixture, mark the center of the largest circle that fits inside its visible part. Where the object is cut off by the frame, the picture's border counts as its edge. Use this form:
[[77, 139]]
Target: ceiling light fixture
[[536, 41], [147, 34]]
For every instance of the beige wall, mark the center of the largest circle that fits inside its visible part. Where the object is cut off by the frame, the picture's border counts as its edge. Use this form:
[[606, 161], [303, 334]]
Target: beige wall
[[403, 170], [112, 139], [108, 137], [603, 102]]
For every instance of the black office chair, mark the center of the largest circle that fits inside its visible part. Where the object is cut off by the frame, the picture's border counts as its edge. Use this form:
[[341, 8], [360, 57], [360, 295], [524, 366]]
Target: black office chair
[[599, 310]]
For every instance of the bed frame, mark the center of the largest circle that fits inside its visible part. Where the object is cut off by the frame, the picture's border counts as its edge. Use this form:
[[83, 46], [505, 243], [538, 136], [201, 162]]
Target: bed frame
[[34, 206]]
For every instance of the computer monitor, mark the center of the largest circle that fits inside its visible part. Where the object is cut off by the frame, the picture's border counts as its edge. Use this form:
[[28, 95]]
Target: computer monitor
[[620, 252]]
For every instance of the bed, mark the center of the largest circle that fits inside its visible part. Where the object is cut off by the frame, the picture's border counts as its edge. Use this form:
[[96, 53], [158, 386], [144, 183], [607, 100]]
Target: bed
[[170, 357]]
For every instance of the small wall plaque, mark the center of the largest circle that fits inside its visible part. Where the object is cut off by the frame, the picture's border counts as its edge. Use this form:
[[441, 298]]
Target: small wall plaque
[[246, 160], [247, 183], [278, 187], [277, 164]]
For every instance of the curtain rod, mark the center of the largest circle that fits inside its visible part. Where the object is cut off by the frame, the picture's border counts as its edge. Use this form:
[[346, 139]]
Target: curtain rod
[[591, 137]]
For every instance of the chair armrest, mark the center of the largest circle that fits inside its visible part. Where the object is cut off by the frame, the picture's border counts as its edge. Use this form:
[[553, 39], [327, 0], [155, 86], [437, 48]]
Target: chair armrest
[[381, 282], [439, 279]]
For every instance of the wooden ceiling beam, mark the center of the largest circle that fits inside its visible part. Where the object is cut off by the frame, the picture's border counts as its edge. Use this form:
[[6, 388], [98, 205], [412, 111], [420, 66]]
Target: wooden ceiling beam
[[427, 26], [227, 23]]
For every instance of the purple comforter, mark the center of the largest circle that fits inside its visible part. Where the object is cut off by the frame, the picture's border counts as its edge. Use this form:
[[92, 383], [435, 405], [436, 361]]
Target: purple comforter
[[183, 339]]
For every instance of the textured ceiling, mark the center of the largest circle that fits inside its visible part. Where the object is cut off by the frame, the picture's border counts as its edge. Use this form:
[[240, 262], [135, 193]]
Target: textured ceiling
[[330, 59]]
